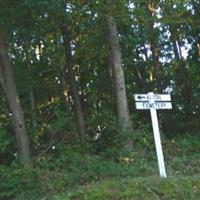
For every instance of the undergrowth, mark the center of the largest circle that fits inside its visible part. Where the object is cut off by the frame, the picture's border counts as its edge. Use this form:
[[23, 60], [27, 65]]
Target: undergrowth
[[71, 173]]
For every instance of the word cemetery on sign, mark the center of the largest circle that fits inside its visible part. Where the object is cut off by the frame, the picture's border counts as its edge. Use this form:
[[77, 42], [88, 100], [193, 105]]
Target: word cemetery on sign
[[153, 102], [157, 101], [156, 105]]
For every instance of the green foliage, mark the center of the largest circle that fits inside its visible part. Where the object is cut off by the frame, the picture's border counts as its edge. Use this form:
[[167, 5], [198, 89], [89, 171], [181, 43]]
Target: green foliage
[[140, 188], [64, 169], [5, 140], [16, 179], [188, 145], [32, 32], [72, 173]]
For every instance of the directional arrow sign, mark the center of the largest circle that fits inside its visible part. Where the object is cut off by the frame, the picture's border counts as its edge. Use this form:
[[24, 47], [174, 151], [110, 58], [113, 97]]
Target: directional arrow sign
[[141, 97], [153, 102], [156, 105], [155, 97]]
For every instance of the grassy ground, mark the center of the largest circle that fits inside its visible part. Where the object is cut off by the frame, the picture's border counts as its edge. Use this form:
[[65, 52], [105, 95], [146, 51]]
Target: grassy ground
[[137, 188], [71, 175], [143, 182]]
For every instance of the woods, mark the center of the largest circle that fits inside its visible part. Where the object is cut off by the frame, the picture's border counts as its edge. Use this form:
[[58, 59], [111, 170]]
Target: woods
[[68, 74]]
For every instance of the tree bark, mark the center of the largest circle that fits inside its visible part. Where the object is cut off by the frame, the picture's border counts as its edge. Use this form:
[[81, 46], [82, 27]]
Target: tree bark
[[32, 106], [74, 89], [118, 74], [8, 84], [31, 96], [154, 46]]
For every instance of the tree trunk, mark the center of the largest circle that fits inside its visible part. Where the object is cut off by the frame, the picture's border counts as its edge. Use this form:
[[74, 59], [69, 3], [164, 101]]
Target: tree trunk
[[64, 86], [117, 71], [143, 42], [154, 46], [31, 96], [32, 106], [8, 84], [74, 89], [182, 79]]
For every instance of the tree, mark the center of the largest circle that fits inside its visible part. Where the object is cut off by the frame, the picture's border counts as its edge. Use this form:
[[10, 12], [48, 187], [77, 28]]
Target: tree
[[8, 84], [74, 89], [153, 42], [119, 82]]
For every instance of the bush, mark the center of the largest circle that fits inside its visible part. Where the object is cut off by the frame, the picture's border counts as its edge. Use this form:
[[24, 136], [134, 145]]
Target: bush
[[151, 188], [68, 167]]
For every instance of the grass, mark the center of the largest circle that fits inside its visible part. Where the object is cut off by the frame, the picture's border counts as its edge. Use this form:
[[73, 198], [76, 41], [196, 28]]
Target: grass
[[141, 181], [71, 175], [137, 188]]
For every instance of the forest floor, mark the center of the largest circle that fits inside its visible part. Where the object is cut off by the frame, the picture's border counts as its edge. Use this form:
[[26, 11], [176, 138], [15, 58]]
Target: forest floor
[[183, 182], [74, 175], [138, 188]]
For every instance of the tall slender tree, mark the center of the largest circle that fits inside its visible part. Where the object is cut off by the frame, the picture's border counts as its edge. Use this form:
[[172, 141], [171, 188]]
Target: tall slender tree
[[154, 44], [73, 85], [119, 82], [8, 84]]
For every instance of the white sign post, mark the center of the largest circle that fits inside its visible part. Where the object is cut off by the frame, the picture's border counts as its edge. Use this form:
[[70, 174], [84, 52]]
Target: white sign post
[[155, 101]]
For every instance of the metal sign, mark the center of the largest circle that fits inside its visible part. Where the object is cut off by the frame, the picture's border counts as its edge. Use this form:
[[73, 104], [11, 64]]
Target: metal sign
[[156, 105], [155, 97], [153, 102]]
